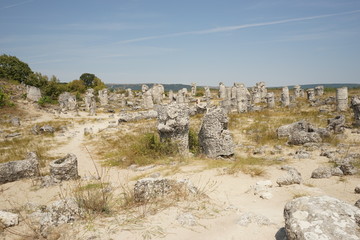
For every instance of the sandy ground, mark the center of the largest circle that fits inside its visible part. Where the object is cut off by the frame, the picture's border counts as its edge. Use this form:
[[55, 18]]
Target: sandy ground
[[230, 197]]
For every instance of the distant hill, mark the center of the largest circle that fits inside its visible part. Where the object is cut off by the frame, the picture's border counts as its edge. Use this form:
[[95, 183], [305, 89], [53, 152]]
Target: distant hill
[[327, 85], [174, 87]]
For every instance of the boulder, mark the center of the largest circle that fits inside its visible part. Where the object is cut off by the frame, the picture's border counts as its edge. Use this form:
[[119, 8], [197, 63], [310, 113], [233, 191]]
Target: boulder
[[151, 188], [8, 219], [292, 177], [64, 168], [59, 212], [355, 105], [321, 218], [302, 137], [15, 121], [33, 93], [321, 172], [214, 137], [15, 170], [173, 125], [67, 101], [336, 124]]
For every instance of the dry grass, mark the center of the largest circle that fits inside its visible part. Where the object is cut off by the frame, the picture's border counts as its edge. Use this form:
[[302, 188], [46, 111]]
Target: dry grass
[[299, 195], [10, 150]]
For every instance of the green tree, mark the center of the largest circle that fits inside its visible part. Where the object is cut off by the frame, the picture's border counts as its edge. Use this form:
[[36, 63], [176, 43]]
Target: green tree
[[76, 86], [37, 80], [53, 88], [13, 69], [88, 79]]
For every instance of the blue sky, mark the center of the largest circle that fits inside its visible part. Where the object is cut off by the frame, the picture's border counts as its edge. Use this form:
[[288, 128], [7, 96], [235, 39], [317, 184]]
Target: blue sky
[[281, 42]]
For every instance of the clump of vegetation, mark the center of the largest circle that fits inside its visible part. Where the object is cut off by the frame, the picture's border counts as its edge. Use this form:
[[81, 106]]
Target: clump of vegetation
[[130, 149], [4, 99], [10, 151], [94, 197], [194, 146], [46, 100]]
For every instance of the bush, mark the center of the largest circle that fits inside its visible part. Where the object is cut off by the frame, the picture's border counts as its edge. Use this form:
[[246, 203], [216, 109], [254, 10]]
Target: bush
[[194, 146], [46, 100], [4, 99], [13, 69]]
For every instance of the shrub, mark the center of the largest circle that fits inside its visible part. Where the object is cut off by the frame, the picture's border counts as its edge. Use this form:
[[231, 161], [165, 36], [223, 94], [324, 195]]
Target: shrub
[[46, 100], [194, 146], [141, 150], [94, 197]]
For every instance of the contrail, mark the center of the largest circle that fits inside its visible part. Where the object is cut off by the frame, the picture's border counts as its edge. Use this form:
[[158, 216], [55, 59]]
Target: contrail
[[17, 4], [236, 27]]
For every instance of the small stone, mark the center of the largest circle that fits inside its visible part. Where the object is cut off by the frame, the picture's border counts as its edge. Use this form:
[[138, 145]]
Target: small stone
[[9, 219], [357, 189]]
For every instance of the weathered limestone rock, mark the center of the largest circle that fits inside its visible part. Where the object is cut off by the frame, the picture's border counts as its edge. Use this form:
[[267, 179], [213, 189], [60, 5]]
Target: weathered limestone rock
[[285, 97], [67, 101], [292, 177], [242, 98], [172, 98], [103, 96], [321, 218], [319, 90], [214, 138], [144, 88], [270, 100], [59, 212], [33, 93], [193, 89], [302, 137], [64, 168], [321, 172], [302, 132], [336, 124], [297, 91], [310, 94], [15, 121], [8, 219], [259, 92], [182, 96], [129, 93], [148, 100], [357, 204], [157, 92], [136, 116], [222, 90], [173, 125], [355, 105], [287, 130], [90, 101], [207, 93], [347, 166], [152, 188], [15, 170], [342, 99]]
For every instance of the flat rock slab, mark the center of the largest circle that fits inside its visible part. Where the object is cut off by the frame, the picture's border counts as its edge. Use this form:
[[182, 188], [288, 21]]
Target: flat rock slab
[[325, 218]]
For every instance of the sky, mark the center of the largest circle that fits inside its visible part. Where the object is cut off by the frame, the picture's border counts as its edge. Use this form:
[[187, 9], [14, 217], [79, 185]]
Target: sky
[[280, 42]]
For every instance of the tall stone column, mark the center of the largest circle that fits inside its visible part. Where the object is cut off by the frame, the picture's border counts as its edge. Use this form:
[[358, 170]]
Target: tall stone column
[[173, 125], [285, 97], [342, 99], [355, 105], [270, 100]]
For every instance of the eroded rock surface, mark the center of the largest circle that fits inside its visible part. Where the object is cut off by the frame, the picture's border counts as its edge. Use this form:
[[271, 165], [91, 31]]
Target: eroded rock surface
[[214, 137], [15, 170], [324, 217]]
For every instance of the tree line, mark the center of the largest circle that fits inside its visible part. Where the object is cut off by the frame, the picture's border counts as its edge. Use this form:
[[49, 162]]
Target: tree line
[[13, 69]]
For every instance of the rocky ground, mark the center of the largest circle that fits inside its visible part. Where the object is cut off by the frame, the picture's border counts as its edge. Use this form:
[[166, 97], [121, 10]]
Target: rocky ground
[[232, 201]]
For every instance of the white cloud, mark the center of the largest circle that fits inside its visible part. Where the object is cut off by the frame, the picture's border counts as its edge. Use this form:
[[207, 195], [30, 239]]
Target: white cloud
[[237, 27], [17, 4]]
